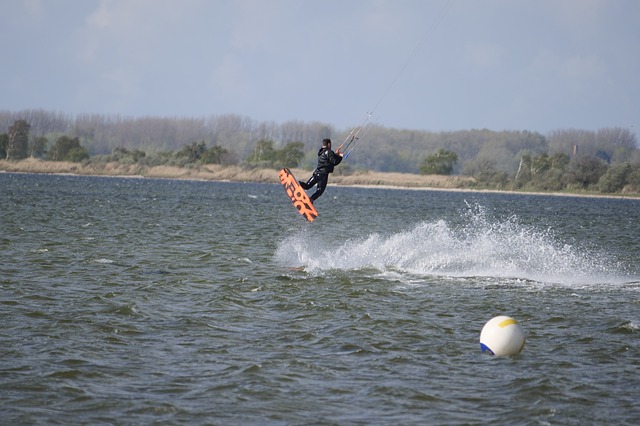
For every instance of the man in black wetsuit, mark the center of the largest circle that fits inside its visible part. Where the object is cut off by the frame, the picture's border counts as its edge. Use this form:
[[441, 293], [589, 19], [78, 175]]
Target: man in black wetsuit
[[327, 159]]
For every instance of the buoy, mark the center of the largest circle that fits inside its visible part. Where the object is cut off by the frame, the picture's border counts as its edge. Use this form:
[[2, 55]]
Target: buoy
[[502, 336]]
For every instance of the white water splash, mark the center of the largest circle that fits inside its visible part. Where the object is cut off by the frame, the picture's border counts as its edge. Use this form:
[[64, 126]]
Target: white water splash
[[476, 248]]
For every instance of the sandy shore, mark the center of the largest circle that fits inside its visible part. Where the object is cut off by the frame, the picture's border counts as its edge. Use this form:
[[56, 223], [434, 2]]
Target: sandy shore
[[213, 172], [230, 173]]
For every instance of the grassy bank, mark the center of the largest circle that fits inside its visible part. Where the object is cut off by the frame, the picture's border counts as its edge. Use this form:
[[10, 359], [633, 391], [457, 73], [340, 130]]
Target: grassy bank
[[230, 173]]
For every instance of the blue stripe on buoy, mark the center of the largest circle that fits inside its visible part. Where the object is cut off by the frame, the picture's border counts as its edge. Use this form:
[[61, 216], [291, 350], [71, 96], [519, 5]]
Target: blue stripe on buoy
[[484, 348]]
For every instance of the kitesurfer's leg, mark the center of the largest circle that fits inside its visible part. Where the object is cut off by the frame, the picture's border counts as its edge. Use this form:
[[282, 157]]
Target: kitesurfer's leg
[[322, 184], [308, 184]]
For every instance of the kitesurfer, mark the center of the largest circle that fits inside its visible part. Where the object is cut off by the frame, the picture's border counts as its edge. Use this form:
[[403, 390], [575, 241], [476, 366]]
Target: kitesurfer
[[327, 159]]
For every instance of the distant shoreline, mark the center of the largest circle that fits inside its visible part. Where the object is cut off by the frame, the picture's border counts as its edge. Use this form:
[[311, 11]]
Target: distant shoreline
[[213, 172]]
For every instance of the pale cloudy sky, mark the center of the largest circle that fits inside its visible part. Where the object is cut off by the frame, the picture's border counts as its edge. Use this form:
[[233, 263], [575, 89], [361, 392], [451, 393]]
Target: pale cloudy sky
[[436, 65]]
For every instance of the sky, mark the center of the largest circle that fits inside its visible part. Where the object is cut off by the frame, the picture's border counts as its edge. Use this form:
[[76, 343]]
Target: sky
[[436, 65]]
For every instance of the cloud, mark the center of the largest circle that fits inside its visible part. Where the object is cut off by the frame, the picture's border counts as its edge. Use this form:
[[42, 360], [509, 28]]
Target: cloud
[[34, 8], [584, 67], [135, 30], [485, 54], [439, 63], [229, 78], [254, 23], [576, 16], [123, 80]]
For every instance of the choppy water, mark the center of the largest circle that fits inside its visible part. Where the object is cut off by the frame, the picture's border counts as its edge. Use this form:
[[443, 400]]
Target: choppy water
[[138, 301]]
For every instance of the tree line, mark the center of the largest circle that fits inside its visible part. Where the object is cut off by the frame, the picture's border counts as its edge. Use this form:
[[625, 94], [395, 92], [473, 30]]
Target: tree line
[[18, 144], [605, 160]]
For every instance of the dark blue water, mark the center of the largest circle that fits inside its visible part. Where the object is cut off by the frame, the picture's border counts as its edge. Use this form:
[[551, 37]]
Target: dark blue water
[[139, 301]]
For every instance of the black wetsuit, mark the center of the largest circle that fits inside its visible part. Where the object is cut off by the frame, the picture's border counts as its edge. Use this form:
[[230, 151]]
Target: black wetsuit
[[327, 159]]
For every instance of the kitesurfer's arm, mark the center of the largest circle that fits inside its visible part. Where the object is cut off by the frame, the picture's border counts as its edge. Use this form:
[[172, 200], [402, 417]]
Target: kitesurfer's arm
[[335, 157]]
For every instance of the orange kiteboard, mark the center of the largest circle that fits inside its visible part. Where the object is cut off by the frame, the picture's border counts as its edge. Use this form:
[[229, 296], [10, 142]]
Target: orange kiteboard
[[299, 198]]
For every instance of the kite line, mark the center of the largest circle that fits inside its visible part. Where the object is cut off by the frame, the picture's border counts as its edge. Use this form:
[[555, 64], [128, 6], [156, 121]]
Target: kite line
[[354, 136]]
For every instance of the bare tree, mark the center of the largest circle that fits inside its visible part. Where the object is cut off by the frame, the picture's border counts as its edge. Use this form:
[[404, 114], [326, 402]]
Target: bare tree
[[18, 142]]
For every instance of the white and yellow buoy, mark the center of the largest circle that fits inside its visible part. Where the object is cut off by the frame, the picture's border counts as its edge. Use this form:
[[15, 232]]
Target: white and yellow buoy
[[502, 336]]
